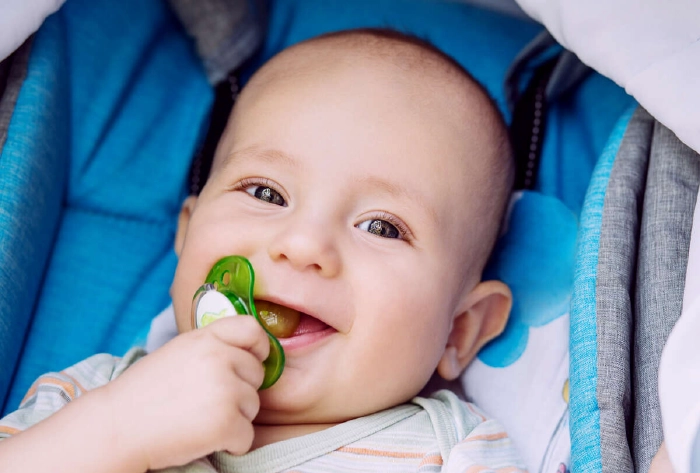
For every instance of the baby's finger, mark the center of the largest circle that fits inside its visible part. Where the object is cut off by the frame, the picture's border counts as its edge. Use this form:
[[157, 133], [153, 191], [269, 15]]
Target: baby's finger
[[235, 433], [243, 332], [248, 401], [241, 438], [247, 367]]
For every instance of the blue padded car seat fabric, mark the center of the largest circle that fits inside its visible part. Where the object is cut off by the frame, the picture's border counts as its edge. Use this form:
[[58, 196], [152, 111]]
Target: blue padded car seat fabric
[[108, 120], [34, 169]]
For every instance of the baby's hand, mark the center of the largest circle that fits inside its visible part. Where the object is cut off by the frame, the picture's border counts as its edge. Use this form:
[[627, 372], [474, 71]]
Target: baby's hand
[[195, 395]]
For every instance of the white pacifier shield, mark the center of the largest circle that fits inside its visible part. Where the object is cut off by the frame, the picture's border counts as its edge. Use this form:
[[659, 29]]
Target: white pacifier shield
[[211, 306]]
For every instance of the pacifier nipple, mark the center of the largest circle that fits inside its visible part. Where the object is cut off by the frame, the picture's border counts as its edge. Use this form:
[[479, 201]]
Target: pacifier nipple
[[280, 321]]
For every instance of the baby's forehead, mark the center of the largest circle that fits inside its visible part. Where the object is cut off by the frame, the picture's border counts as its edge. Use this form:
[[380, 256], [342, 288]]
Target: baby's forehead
[[441, 93], [397, 61]]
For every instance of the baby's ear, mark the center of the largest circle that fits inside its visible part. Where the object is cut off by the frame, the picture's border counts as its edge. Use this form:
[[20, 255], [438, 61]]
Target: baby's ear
[[183, 221], [481, 317]]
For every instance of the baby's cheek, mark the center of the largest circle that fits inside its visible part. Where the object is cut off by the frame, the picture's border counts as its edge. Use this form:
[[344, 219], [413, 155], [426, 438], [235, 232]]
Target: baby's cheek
[[184, 286]]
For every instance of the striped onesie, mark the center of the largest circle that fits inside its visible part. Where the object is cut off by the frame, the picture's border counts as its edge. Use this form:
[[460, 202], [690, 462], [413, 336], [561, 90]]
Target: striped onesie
[[439, 433]]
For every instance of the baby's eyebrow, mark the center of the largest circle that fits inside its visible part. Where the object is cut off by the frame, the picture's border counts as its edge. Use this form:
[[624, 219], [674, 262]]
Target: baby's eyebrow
[[397, 190], [270, 156]]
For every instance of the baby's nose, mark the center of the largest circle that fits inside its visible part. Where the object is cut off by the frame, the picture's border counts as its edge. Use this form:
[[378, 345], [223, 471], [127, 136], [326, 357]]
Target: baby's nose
[[306, 247]]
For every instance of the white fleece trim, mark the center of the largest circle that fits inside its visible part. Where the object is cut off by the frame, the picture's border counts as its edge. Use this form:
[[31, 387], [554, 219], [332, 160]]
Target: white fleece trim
[[163, 329], [648, 47], [679, 378], [19, 19]]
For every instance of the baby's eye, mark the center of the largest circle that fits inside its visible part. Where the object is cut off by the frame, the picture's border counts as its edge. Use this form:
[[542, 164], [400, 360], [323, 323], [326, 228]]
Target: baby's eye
[[380, 228], [266, 194]]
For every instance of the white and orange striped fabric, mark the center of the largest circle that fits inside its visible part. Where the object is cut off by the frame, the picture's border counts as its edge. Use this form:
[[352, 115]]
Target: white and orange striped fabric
[[439, 433]]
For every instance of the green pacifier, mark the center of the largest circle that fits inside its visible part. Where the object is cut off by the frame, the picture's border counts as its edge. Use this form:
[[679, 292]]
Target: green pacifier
[[228, 291]]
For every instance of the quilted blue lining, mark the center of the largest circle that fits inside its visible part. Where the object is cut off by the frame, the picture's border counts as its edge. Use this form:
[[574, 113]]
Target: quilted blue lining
[[33, 176], [108, 120]]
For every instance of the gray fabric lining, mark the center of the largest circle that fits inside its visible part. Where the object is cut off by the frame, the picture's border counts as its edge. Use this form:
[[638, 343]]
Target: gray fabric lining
[[507, 7], [644, 242], [568, 72], [669, 203], [15, 70], [4, 72], [226, 32], [616, 273]]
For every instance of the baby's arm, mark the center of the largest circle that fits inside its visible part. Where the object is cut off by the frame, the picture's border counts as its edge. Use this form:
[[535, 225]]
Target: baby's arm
[[195, 395]]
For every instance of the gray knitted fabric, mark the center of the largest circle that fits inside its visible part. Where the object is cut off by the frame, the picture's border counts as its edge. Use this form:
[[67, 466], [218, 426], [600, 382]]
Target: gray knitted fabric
[[226, 32], [667, 220], [617, 258], [13, 71], [644, 242]]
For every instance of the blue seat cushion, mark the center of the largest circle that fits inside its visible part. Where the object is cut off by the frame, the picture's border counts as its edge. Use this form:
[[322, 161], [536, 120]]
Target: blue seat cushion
[[117, 95]]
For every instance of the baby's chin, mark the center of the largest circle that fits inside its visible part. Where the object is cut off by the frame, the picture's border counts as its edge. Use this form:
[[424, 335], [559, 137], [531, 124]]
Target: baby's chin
[[309, 416], [284, 405], [280, 406]]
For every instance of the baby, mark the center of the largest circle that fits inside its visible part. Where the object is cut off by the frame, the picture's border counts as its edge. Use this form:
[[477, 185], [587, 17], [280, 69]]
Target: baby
[[364, 174]]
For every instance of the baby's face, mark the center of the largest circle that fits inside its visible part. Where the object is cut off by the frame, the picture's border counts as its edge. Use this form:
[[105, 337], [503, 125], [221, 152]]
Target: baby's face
[[349, 190]]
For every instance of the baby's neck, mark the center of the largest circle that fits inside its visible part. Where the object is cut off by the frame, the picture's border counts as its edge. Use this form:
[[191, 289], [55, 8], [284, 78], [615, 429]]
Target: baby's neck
[[267, 434]]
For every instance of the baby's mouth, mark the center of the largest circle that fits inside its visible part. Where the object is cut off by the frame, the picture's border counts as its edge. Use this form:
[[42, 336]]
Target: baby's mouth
[[284, 322]]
